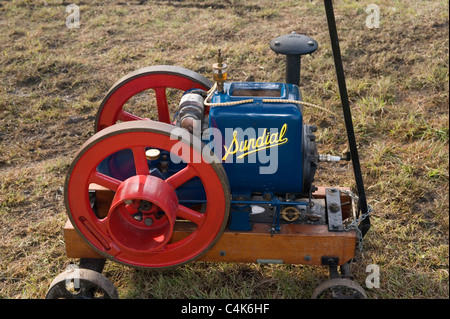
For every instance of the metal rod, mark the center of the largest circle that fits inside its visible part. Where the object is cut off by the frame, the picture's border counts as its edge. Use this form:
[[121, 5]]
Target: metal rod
[[242, 202], [293, 65], [347, 113]]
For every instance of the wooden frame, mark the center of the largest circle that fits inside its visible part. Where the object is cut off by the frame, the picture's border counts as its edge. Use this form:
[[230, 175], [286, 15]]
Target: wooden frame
[[293, 244]]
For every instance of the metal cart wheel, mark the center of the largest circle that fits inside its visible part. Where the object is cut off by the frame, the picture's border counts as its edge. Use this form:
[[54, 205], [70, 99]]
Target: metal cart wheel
[[339, 288], [79, 283]]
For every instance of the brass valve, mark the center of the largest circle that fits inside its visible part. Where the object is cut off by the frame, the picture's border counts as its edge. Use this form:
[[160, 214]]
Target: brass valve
[[220, 71]]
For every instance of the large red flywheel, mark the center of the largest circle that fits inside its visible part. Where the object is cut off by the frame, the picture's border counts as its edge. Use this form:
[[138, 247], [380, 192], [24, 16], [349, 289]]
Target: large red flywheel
[[157, 78], [138, 228]]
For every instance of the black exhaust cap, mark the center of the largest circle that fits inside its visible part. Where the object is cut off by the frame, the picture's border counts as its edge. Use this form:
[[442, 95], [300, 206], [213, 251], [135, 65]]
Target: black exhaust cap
[[293, 45]]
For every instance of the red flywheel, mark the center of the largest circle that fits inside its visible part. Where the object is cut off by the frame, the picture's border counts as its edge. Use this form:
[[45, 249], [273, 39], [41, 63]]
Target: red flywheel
[[157, 78], [138, 228]]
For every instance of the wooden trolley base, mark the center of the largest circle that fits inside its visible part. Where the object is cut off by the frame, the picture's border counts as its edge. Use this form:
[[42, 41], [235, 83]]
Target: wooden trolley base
[[293, 244]]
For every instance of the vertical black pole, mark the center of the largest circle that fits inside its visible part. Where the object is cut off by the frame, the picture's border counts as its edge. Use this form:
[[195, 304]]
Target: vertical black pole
[[365, 225]]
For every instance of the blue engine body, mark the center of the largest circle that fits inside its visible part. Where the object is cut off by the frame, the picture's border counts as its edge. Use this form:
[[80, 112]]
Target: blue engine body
[[261, 145]]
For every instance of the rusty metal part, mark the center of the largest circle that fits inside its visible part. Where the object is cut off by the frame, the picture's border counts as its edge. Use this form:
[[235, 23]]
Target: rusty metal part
[[339, 288], [334, 210], [79, 283]]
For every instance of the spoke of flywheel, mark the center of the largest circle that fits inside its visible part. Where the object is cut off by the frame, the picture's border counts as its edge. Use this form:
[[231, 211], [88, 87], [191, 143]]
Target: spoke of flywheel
[[125, 116], [104, 180], [161, 102], [181, 177], [190, 214], [140, 161]]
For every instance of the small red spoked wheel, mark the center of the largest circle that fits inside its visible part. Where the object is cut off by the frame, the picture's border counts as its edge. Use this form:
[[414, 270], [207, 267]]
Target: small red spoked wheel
[[138, 228], [159, 78]]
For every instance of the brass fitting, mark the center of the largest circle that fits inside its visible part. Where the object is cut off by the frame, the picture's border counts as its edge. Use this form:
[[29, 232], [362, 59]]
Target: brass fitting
[[290, 213], [152, 154], [220, 71]]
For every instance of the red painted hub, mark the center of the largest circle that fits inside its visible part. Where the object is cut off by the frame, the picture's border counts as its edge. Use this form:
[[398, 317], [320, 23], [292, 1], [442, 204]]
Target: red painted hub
[[142, 214], [157, 78], [123, 235]]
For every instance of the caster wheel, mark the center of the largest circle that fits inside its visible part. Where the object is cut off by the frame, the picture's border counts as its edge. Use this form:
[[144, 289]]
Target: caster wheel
[[156, 78], [339, 288], [81, 284]]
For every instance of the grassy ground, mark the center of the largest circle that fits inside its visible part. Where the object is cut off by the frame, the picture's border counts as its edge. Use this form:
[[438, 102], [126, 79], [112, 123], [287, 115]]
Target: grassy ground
[[52, 80]]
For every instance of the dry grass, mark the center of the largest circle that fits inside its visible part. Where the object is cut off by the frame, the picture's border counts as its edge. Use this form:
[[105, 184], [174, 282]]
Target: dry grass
[[397, 78]]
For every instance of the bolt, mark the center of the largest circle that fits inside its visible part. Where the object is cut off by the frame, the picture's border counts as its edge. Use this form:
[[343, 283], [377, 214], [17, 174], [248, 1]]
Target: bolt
[[334, 208], [222, 253], [307, 257], [163, 165], [313, 218], [148, 221], [145, 205]]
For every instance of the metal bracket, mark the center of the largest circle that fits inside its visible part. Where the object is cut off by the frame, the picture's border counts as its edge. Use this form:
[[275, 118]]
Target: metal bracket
[[95, 264], [334, 210], [329, 261]]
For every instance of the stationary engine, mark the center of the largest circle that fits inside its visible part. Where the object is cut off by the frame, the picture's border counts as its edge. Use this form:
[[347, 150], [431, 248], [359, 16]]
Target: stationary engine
[[224, 173], [257, 131], [234, 155]]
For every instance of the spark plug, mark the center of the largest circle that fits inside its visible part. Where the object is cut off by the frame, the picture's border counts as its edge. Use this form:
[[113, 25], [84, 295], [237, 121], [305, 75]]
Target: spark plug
[[329, 158]]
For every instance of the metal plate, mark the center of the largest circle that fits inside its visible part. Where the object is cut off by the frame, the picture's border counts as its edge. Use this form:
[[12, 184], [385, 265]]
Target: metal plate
[[334, 210]]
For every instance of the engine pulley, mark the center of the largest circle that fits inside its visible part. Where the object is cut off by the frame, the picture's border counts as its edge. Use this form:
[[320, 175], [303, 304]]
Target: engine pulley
[[142, 214]]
